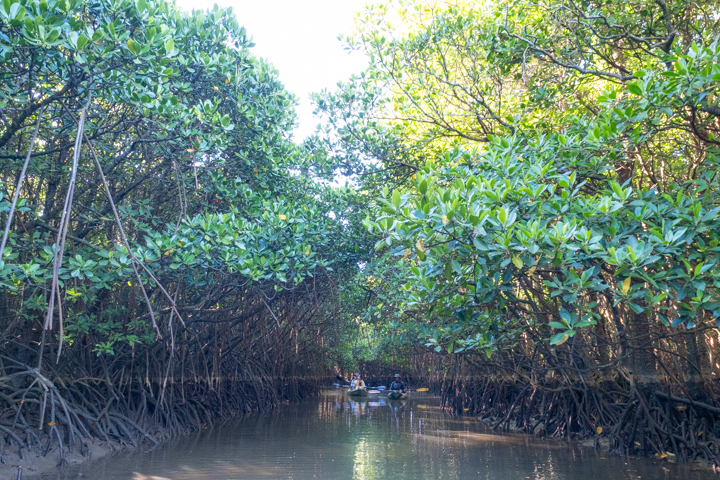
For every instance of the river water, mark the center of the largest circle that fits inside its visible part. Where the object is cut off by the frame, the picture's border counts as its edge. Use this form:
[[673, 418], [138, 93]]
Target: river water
[[332, 437]]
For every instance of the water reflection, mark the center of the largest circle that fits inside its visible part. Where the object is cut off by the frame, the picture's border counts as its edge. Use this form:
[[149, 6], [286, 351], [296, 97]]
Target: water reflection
[[335, 438]]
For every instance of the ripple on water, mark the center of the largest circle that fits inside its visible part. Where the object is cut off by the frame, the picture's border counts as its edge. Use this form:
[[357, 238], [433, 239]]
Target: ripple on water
[[331, 437]]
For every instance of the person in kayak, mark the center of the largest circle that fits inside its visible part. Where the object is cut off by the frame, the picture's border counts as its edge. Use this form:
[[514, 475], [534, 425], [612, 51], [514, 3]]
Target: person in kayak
[[398, 385], [357, 382]]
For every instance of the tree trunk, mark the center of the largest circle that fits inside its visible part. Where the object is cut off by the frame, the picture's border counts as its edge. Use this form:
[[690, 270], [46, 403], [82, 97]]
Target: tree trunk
[[642, 362]]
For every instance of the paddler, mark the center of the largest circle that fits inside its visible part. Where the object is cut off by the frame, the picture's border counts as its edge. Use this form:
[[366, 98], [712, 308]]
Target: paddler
[[398, 385], [357, 382]]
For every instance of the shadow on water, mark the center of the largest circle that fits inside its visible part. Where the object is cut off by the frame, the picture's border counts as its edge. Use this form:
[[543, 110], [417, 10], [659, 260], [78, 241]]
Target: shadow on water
[[333, 437]]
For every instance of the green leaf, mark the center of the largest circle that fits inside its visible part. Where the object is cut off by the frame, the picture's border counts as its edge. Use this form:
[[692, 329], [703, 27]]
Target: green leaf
[[559, 339], [584, 323], [448, 272], [82, 41], [17, 12], [73, 38], [636, 308], [517, 261], [423, 186], [698, 268], [169, 45], [456, 266], [635, 89], [396, 198]]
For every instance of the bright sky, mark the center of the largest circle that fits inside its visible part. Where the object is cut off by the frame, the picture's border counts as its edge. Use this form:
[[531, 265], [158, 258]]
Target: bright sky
[[299, 37]]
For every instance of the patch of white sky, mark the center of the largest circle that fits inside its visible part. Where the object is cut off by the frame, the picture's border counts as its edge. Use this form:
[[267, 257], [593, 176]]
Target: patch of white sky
[[300, 39]]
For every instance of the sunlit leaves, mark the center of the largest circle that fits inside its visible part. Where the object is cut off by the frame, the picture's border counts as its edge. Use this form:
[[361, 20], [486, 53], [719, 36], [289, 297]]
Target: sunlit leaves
[[484, 228]]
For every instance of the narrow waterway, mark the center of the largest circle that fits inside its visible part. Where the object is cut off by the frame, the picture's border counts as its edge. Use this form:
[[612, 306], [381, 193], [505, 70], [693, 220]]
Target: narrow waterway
[[332, 437]]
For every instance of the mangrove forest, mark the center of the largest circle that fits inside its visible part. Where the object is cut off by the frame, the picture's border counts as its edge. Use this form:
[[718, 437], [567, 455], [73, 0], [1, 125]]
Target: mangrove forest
[[516, 205]]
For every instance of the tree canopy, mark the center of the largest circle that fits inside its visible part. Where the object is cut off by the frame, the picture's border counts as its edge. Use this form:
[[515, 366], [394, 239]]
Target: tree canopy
[[539, 157], [161, 244], [532, 188]]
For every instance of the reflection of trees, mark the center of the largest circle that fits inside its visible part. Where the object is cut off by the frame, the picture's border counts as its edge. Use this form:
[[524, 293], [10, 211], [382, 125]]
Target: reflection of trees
[[328, 439]]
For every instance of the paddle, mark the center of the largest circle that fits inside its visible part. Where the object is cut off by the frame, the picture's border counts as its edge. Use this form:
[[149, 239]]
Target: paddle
[[409, 390]]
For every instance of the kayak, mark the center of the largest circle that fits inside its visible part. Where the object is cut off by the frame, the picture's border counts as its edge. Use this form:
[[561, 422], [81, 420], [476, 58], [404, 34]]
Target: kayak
[[397, 396], [360, 392]]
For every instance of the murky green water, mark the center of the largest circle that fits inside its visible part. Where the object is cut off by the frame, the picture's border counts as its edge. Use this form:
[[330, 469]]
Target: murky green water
[[332, 437]]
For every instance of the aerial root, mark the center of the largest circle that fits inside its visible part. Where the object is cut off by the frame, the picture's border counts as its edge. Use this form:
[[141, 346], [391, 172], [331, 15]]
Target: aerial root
[[620, 417], [63, 415]]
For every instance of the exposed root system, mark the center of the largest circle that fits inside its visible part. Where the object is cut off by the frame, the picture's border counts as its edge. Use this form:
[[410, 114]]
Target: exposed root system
[[629, 419], [207, 372]]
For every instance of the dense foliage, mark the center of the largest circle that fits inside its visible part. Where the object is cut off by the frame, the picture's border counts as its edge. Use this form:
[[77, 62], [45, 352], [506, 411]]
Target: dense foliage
[[539, 181], [558, 152], [163, 259], [191, 132], [546, 176]]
